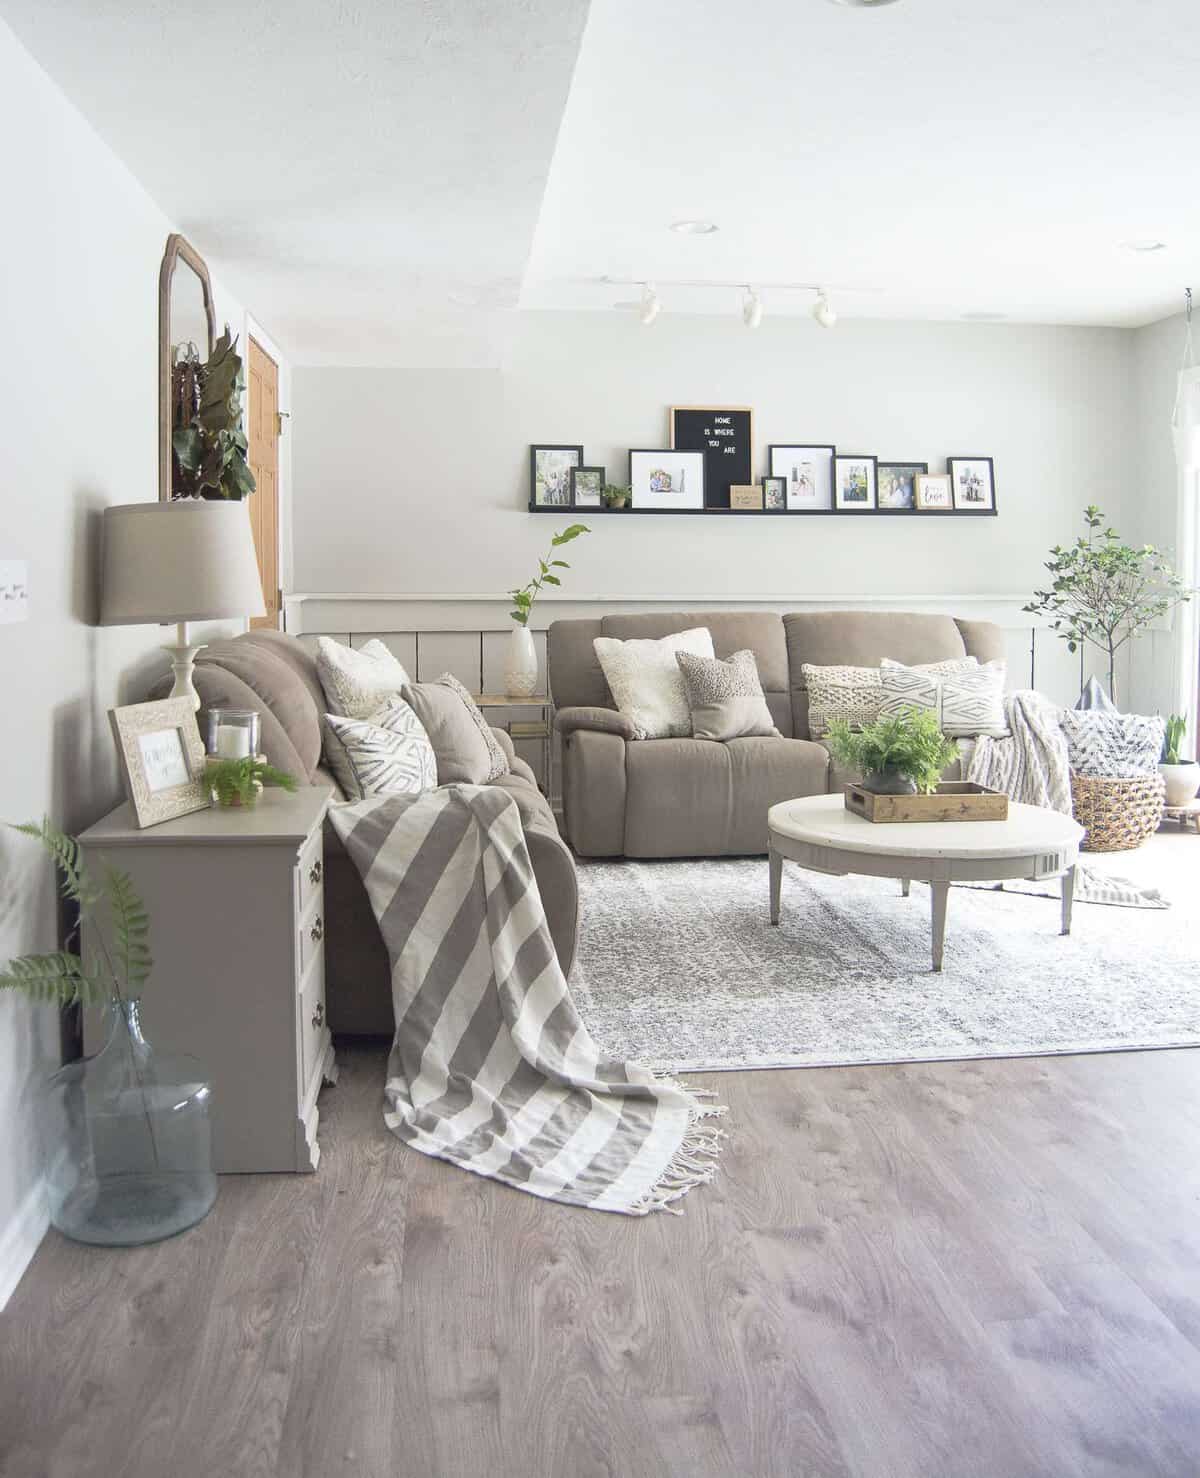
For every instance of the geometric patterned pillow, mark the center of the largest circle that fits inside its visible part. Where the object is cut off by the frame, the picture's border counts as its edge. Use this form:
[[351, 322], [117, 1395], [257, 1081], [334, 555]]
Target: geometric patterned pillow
[[1112, 744], [965, 703], [854, 694], [387, 754]]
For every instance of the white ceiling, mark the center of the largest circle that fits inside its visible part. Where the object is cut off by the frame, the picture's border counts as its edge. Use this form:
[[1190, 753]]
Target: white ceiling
[[385, 182]]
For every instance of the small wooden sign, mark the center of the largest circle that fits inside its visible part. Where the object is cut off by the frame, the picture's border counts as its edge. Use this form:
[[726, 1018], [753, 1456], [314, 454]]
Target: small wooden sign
[[953, 800], [746, 496]]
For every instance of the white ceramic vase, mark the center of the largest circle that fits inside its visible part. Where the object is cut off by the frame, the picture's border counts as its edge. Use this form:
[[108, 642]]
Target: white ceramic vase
[[521, 664], [1182, 782]]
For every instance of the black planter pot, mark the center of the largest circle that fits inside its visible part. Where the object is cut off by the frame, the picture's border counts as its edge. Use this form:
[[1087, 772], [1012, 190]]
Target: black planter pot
[[889, 782]]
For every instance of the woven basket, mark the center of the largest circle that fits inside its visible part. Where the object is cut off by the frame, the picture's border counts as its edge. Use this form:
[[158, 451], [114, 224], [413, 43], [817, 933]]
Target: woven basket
[[1117, 814]]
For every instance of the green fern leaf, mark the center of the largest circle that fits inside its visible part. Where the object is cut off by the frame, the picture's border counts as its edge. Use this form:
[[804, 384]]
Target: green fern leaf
[[131, 929], [53, 977]]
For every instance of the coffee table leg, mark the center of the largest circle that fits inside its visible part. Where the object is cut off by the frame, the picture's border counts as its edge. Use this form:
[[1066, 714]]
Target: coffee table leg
[[1068, 898], [905, 886], [775, 862], [940, 892]]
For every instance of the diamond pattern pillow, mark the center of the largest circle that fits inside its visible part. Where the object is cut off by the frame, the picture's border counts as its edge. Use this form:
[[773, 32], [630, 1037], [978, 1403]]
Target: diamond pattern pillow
[[726, 698], [387, 754], [855, 693], [967, 702], [646, 683], [1114, 744]]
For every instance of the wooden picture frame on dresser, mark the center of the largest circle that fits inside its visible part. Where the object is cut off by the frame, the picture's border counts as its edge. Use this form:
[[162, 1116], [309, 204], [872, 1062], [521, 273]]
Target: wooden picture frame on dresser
[[237, 926]]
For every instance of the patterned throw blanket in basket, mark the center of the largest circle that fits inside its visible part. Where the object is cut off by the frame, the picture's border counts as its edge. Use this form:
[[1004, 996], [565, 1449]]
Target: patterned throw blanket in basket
[[1033, 765], [491, 1066]]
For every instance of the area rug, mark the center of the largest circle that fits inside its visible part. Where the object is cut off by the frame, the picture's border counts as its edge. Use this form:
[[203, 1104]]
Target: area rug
[[679, 967]]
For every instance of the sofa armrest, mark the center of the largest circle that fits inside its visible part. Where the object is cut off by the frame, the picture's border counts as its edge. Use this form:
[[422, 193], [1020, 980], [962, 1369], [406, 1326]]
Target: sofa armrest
[[504, 740], [601, 720]]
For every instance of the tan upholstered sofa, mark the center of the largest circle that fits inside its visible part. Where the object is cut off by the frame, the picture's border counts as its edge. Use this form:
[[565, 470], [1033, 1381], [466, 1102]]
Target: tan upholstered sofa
[[275, 674], [696, 798]]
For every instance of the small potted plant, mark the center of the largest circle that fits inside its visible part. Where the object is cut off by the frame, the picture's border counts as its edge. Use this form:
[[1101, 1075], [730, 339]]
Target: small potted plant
[[1181, 777], [900, 755], [613, 496], [239, 782]]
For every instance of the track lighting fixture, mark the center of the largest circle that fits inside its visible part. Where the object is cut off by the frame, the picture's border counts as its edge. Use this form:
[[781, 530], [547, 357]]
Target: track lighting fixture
[[752, 308], [651, 306], [822, 310]]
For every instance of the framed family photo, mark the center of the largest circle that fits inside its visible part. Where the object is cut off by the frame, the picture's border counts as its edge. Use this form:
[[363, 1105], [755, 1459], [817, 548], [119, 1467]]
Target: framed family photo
[[932, 492], [161, 758], [973, 480], [774, 491], [587, 484], [898, 483], [855, 482], [807, 473], [669, 480], [550, 475]]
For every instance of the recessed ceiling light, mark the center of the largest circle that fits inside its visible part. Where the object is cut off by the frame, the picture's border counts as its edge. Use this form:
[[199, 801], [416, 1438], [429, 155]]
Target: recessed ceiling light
[[1144, 244], [863, 4], [985, 317], [694, 228]]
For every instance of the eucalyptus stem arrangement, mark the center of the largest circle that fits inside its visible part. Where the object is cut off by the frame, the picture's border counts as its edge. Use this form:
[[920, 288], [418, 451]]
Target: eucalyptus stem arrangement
[[524, 598]]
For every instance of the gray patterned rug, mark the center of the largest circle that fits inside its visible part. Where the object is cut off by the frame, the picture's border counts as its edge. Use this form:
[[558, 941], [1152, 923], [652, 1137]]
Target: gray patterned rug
[[678, 967]]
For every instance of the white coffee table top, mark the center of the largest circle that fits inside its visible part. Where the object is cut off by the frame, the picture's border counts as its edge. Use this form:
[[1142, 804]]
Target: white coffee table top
[[825, 821]]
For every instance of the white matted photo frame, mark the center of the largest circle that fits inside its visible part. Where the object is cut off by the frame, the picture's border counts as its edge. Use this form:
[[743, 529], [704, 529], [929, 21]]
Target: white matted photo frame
[[932, 492], [855, 483], [667, 480], [807, 472], [974, 482], [162, 759]]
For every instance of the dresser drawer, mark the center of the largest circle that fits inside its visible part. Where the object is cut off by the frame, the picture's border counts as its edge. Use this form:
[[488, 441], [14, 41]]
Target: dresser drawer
[[313, 1034], [310, 872], [312, 931]]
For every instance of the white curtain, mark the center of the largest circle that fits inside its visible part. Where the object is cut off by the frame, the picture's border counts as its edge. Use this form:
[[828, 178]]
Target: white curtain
[[1186, 430]]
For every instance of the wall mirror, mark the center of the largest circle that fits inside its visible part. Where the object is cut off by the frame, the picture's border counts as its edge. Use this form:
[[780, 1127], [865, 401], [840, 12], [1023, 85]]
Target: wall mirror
[[185, 339]]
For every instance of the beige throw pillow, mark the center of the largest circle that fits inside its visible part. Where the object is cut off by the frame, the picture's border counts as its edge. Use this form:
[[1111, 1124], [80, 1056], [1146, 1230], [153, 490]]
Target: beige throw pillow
[[462, 756], [855, 693], [499, 760], [726, 698], [646, 683]]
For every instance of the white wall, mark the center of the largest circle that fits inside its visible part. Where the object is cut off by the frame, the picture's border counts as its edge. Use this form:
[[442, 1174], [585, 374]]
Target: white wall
[[415, 481], [78, 429]]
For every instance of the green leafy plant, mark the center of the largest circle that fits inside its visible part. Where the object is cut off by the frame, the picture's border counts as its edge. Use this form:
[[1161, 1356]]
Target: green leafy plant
[[1105, 592], [238, 782], [1176, 729], [614, 496], [910, 743], [524, 598], [121, 964], [209, 443]]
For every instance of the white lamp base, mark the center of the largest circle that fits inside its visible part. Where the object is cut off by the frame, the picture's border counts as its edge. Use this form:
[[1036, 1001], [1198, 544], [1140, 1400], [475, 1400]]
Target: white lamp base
[[183, 663]]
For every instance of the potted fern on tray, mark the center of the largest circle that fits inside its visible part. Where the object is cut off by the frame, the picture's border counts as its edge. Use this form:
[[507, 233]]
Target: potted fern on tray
[[902, 754]]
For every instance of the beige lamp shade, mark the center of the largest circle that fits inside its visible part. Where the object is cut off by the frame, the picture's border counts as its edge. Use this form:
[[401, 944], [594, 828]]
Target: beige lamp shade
[[172, 562]]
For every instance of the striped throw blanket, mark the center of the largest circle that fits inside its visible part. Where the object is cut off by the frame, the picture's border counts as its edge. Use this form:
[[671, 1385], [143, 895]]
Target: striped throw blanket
[[491, 1067], [1032, 764]]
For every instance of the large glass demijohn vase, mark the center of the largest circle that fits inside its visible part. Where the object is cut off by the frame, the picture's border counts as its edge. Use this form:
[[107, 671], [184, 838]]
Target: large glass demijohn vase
[[128, 1141]]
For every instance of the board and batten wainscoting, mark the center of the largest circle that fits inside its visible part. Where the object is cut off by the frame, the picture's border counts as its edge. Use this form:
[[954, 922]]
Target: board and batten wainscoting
[[467, 635]]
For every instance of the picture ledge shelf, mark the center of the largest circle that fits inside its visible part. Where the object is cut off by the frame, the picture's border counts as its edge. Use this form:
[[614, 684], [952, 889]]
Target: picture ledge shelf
[[919, 513]]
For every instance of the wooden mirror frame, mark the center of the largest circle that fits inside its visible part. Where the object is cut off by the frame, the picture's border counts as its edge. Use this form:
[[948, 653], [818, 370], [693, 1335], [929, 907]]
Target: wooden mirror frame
[[176, 248]]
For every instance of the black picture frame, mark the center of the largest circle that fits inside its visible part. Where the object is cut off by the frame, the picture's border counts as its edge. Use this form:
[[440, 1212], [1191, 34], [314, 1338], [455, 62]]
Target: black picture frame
[[916, 468], [601, 472], [986, 508], [772, 477], [872, 506], [829, 453], [546, 446]]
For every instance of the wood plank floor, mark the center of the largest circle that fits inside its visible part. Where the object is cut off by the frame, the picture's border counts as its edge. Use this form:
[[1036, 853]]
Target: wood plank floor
[[981, 1268]]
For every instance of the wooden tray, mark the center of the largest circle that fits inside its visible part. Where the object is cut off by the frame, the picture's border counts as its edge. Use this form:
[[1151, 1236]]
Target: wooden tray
[[954, 800]]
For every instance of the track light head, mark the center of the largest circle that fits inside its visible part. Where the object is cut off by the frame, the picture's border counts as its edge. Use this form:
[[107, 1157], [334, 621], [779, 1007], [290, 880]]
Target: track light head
[[752, 308], [822, 310], [651, 305]]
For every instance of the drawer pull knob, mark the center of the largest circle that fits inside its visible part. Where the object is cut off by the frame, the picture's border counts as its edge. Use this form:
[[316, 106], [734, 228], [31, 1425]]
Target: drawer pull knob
[[318, 1016], [315, 871], [317, 932]]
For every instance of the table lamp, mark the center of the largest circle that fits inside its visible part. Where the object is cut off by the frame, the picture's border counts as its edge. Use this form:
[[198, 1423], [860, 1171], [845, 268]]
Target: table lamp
[[192, 560]]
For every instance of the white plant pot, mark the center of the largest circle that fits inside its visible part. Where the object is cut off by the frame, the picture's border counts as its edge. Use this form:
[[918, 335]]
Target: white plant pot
[[1182, 782], [521, 664]]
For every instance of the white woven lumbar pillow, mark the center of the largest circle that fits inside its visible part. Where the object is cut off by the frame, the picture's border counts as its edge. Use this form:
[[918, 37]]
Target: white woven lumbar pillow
[[855, 693], [358, 681], [387, 754], [646, 684], [967, 702]]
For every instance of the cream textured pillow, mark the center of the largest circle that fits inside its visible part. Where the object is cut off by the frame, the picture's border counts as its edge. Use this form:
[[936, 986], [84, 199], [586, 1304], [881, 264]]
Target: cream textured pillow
[[726, 698], [387, 754], [646, 683], [967, 702], [358, 681], [855, 693]]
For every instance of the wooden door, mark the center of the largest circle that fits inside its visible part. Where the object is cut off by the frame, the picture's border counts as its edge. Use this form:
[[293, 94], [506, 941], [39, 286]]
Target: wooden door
[[264, 463]]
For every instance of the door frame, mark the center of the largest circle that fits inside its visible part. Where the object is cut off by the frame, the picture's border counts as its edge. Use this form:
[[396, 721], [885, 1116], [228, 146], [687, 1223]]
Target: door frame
[[253, 329]]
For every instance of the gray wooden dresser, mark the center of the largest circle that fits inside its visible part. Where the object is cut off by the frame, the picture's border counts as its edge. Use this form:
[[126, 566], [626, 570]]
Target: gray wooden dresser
[[236, 905]]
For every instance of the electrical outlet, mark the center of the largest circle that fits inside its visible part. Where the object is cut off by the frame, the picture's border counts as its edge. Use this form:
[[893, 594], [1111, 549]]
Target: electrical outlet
[[14, 590]]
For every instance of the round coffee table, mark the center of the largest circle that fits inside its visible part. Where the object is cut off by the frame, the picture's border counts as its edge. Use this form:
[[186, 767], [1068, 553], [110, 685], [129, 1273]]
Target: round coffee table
[[819, 833]]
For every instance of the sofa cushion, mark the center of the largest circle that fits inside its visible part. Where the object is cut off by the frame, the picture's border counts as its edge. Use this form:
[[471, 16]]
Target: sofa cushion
[[645, 680], [462, 756], [725, 698], [387, 754], [277, 688]]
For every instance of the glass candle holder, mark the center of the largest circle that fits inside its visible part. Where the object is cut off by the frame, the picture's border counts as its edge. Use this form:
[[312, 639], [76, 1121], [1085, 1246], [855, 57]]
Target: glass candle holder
[[232, 733]]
